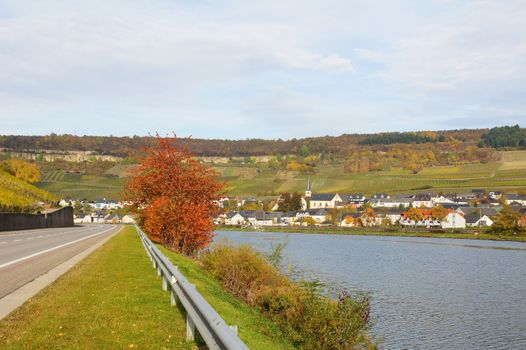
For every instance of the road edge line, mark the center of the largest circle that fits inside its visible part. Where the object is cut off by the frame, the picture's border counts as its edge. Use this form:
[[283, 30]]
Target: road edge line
[[18, 297]]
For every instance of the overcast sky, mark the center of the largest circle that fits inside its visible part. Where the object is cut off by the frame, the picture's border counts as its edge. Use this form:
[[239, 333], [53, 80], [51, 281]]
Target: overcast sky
[[266, 69]]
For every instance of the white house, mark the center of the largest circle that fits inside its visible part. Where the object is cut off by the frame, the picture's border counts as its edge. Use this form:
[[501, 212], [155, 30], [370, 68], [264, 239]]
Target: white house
[[82, 219], [453, 220], [128, 219], [515, 198], [475, 220], [319, 215], [325, 200], [234, 218]]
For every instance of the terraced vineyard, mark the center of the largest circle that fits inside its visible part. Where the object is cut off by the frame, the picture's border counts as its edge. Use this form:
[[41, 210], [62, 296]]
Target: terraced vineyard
[[509, 174], [53, 176], [15, 193]]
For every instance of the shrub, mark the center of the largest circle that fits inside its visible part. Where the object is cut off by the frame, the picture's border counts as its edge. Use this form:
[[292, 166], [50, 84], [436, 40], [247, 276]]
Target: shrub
[[310, 319]]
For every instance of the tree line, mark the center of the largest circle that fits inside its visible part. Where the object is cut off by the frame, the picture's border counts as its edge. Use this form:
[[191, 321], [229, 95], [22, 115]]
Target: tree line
[[505, 136], [131, 146]]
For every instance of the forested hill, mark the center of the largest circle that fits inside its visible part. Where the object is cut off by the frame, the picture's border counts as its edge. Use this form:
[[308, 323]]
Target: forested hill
[[126, 146], [343, 144]]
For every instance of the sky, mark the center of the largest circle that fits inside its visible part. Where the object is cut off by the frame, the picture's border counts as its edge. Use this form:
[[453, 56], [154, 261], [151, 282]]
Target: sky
[[260, 69]]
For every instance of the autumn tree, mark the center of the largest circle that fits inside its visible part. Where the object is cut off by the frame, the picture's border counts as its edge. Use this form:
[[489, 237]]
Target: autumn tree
[[174, 195], [439, 212], [506, 221], [289, 202], [415, 214]]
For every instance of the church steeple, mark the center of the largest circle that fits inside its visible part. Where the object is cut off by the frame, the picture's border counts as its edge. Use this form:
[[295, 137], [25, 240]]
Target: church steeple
[[308, 191]]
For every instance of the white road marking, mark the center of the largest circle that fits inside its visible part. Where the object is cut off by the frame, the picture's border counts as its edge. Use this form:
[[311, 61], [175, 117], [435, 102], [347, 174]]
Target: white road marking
[[51, 249], [17, 240], [3, 242]]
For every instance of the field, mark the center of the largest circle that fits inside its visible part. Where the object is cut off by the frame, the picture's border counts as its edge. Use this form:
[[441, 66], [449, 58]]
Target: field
[[75, 185], [508, 174]]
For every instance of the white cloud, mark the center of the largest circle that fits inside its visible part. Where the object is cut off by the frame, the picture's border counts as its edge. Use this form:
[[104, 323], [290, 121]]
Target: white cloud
[[342, 65]]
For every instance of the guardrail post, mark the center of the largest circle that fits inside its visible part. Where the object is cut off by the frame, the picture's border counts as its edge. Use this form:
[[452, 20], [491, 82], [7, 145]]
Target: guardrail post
[[173, 295], [233, 329], [165, 284], [190, 329]]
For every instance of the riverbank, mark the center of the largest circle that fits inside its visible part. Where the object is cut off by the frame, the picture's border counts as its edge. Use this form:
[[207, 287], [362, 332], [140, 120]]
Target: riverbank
[[367, 232]]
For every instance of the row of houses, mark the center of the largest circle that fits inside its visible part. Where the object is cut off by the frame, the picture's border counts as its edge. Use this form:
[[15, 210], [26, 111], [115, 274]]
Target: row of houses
[[102, 218], [455, 219], [98, 204]]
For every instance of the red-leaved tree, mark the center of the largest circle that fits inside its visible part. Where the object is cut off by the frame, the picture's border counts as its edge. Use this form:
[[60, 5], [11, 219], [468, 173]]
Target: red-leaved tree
[[173, 194]]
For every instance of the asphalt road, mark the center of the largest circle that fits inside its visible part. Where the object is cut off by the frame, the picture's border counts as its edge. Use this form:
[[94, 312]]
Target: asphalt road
[[27, 254]]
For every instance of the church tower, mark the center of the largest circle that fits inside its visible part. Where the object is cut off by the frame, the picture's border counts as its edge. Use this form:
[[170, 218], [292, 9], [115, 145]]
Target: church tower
[[308, 192]]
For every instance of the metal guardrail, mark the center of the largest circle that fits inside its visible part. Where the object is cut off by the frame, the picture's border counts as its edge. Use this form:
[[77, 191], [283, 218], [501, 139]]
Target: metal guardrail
[[199, 314]]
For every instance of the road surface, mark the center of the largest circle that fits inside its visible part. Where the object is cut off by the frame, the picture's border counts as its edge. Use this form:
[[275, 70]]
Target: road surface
[[27, 254]]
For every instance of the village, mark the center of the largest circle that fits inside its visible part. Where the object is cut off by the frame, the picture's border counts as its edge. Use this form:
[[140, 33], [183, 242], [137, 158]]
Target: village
[[457, 211]]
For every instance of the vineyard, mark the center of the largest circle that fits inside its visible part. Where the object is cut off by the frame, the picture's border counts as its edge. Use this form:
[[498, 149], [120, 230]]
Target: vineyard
[[16, 194]]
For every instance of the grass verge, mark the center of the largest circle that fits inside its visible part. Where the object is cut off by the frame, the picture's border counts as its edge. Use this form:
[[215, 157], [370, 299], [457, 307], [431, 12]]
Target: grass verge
[[113, 300], [254, 329]]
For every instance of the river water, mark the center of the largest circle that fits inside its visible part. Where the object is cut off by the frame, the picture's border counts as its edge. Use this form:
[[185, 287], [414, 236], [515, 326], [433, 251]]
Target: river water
[[425, 293]]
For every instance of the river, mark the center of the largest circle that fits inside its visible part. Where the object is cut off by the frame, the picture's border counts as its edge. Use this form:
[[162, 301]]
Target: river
[[426, 293]]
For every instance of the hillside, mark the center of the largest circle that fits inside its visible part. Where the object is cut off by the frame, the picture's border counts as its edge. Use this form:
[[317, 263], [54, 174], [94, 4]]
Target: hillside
[[130, 146], [507, 174], [16, 194]]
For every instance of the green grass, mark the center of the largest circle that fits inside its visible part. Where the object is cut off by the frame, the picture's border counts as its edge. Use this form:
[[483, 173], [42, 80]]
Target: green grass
[[255, 330], [113, 300]]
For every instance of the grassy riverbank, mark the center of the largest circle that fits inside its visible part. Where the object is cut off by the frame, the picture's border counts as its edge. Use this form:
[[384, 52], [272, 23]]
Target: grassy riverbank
[[357, 232], [113, 300]]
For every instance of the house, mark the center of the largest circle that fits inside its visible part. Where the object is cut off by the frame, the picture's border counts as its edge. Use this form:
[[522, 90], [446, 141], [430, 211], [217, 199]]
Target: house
[[234, 218], [480, 211], [128, 219], [319, 215], [324, 200], [516, 198], [422, 200], [381, 196], [97, 218], [353, 199], [103, 203], [478, 220], [495, 195], [261, 217], [288, 218], [82, 219], [440, 199], [68, 201], [392, 214], [453, 220], [350, 220], [112, 219], [391, 203], [429, 222]]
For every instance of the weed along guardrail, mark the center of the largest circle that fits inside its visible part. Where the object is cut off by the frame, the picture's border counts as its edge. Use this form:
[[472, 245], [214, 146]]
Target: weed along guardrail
[[199, 314]]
